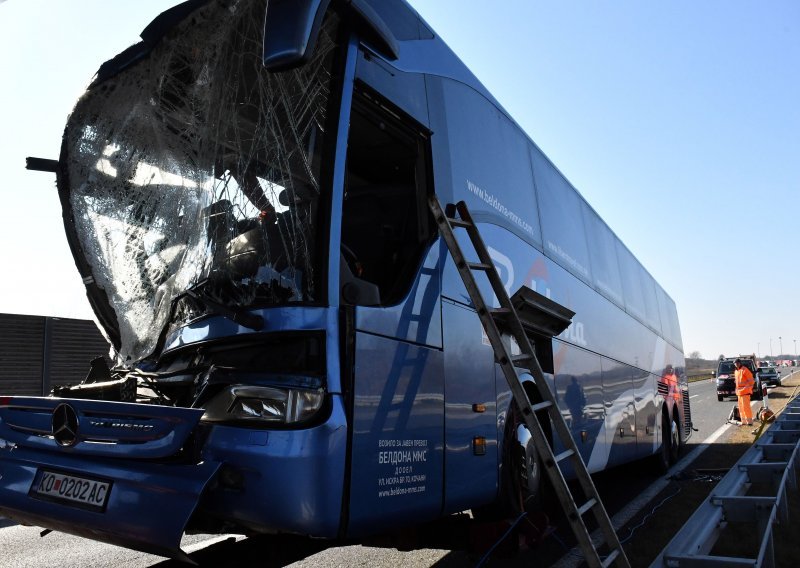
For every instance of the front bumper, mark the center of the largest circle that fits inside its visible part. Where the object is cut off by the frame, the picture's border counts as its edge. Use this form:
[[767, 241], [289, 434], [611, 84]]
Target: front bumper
[[244, 478], [148, 506]]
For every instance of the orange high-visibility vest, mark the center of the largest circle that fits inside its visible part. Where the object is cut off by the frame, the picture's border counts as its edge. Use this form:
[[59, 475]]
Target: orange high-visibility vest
[[744, 381]]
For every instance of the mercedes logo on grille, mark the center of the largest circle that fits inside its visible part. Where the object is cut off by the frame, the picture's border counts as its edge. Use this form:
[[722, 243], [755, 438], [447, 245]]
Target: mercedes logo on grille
[[65, 425]]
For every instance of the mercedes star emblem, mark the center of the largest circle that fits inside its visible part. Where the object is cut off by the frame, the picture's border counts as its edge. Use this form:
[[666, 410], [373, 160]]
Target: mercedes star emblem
[[65, 425]]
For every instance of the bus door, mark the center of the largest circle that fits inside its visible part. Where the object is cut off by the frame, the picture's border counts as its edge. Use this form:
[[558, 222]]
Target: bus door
[[390, 291]]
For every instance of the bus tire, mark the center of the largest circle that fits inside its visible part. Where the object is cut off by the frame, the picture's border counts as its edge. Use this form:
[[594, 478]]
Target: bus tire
[[523, 483], [674, 441], [663, 458], [530, 488]]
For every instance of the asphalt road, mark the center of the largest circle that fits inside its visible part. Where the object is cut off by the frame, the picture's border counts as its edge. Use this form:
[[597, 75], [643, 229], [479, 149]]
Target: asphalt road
[[23, 547], [708, 414]]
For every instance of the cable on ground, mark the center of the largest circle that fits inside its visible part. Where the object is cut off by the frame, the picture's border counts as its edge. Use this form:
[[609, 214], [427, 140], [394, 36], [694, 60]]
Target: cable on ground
[[501, 539]]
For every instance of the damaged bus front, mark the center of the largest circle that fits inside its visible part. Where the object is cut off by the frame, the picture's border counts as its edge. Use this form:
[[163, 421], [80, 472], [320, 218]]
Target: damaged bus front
[[196, 190], [246, 198]]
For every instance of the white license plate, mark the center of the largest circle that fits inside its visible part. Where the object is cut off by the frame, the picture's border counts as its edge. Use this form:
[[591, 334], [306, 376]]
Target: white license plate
[[90, 493]]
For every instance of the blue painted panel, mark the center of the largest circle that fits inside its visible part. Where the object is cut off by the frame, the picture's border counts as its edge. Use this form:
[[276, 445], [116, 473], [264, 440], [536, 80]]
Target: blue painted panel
[[406, 90], [132, 430], [562, 217], [469, 379], [397, 439], [418, 318], [148, 506], [598, 325], [620, 414], [293, 479], [645, 390], [491, 166], [579, 391], [275, 319]]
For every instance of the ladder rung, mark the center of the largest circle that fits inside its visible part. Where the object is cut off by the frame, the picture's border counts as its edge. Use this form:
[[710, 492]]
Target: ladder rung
[[540, 405], [458, 222], [522, 358], [499, 312], [480, 266], [586, 506], [609, 560], [563, 455]]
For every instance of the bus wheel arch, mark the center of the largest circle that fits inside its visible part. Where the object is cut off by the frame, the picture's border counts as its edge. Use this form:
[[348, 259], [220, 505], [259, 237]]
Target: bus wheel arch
[[524, 477]]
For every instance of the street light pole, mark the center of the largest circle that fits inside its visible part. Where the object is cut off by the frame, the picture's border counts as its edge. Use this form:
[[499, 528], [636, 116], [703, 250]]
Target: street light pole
[[795, 349], [781, 344]]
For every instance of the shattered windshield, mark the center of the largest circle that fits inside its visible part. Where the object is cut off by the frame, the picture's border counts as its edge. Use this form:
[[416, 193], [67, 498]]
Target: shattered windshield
[[196, 169]]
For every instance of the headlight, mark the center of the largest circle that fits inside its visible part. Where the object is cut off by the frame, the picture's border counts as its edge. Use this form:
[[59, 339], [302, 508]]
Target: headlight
[[264, 404]]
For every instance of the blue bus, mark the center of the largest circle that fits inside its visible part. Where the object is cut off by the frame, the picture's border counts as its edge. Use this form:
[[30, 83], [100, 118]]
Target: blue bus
[[245, 193]]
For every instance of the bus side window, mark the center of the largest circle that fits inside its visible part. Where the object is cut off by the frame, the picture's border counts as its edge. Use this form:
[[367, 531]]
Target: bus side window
[[385, 221]]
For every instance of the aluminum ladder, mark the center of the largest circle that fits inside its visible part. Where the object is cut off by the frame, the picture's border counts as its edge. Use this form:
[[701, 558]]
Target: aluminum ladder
[[508, 316]]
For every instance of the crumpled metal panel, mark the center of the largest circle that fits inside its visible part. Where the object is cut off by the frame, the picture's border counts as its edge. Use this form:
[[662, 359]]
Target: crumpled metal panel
[[197, 166]]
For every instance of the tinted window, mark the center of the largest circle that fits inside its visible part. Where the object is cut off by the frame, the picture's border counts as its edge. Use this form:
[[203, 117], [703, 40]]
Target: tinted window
[[669, 318], [603, 251], [562, 218], [490, 162], [676, 327], [652, 316], [726, 368], [631, 282], [403, 22]]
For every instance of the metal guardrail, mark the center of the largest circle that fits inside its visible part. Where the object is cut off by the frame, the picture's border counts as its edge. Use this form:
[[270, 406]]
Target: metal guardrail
[[771, 463]]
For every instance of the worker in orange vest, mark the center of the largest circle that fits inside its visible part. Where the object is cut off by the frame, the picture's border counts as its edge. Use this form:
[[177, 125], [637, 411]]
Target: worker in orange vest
[[744, 388]]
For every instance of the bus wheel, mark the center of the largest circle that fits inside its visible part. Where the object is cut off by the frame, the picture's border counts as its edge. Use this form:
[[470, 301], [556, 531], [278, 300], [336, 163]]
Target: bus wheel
[[661, 459], [520, 474], [674, 441], [526, 472]]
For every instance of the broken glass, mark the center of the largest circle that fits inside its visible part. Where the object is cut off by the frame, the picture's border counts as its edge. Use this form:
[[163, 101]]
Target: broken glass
[[195, 167]]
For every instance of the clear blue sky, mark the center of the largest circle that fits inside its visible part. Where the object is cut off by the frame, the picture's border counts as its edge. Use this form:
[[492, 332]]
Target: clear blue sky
[[678, 121]]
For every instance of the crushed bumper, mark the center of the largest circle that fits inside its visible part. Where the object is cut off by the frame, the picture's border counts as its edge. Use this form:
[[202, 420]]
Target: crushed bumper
[[168, 492]]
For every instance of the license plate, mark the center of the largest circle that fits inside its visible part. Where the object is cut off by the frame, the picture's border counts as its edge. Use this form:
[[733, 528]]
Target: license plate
[[71, 489]]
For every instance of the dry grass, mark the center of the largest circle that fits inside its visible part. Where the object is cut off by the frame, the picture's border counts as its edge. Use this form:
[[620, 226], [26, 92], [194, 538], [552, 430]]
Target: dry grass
[[682, 497]]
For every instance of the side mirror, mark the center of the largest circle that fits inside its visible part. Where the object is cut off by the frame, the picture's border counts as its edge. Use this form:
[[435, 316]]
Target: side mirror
[[291, 29]]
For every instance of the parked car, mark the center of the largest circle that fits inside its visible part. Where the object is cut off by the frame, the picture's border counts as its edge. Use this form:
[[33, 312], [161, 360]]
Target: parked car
[[769, 375], [726, 384]]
